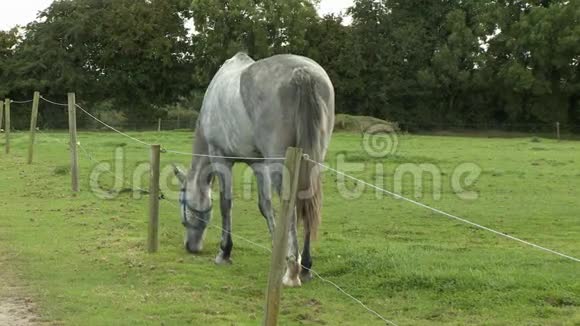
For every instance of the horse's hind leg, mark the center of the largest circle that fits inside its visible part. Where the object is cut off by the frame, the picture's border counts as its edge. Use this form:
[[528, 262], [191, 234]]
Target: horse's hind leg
[[224, 173], [292, 279], [306, 273]]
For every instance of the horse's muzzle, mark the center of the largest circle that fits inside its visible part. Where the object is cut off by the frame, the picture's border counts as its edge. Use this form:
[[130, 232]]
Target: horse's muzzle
[[193, 248]]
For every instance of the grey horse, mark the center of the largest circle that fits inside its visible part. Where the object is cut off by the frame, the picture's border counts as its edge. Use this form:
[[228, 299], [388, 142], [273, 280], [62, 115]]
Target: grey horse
[[252, 112]]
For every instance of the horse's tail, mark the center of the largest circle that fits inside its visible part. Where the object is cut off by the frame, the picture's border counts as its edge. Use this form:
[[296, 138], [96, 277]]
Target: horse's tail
[[310, 137]]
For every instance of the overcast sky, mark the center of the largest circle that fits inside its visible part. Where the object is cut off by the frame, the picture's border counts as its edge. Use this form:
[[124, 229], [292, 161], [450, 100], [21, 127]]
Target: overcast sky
[[21, 12]]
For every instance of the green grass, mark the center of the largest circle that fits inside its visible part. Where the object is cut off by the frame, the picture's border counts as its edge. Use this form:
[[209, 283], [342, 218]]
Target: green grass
[[84, 258]]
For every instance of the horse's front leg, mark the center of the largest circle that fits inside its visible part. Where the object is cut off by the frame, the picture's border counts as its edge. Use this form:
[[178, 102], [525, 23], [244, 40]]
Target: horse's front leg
[[224, 174], [265, 195], [292, 277]]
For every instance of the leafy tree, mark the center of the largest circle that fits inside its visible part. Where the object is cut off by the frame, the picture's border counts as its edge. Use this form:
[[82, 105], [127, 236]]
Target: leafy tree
[[450, 75], [133, 52], [527, 65], [552, 44], [8, 42], [330, 43], [422, 63], [395, 40], [260, 27]]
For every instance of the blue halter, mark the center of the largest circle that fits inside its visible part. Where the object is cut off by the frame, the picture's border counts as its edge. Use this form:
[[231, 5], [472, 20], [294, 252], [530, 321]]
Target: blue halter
[[199, 214]]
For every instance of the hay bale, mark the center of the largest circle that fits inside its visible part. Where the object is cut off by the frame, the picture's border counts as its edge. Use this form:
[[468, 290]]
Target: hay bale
[[362, 124]]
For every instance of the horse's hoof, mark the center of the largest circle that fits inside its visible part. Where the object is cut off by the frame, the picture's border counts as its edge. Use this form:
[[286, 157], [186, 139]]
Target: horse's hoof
[[306, 276], [291, 283], [219, 260]]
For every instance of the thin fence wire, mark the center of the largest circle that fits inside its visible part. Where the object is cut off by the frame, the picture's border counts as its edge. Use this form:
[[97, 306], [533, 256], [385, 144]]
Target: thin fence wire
[[173, 151], [438, 211], [362, 304], [54, 139], [269, 250], [21, 102], [112, 128], [226, 157], [52, 102]]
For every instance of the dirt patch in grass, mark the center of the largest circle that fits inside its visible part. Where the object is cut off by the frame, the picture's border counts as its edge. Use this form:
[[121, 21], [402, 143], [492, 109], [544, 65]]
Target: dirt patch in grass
[[16, 309], [17, 312]]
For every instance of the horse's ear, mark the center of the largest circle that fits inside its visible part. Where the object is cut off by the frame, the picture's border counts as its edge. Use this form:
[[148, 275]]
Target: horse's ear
[[180, 174]]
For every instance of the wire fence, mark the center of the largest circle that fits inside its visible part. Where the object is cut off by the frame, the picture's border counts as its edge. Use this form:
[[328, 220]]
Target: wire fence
[[52, 120], [529, 127], [324, 167], [21, 102], [91, 157], [440, 212], [316, 274]]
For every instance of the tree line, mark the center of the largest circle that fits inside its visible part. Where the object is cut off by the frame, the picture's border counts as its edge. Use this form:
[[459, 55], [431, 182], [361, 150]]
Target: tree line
[[426, 64]]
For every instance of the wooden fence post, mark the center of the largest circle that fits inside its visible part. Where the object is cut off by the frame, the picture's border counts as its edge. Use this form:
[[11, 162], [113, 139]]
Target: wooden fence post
[[280, 250], [7, 122], [153, 234], [159, 125], [1, 113], [33, 121], [558, 130], [72, 125]]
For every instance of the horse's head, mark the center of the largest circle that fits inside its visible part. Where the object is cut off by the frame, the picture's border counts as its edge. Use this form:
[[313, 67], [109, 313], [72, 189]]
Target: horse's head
[[195, 206]]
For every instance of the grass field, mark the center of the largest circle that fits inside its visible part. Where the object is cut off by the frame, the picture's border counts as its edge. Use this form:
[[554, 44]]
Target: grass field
[[84, 261]]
